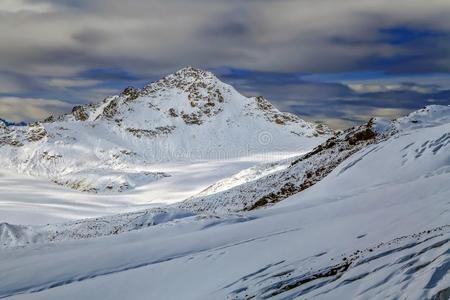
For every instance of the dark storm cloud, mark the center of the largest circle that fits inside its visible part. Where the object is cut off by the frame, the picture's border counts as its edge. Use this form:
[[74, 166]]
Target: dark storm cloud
[[12, 82], [283, 36], [80, 50], [92, 37], [421, 50], [230, 29], [116, 74]]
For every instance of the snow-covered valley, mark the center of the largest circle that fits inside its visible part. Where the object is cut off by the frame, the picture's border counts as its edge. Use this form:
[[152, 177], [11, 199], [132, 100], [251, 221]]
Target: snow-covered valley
[[362, 213], [30, 200]]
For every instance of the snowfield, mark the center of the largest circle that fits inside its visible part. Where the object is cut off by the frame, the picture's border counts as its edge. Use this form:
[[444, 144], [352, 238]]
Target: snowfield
[[364, 214], [36, 201]]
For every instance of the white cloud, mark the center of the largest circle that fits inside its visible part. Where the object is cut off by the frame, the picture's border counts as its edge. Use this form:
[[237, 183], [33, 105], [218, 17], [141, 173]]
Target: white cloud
[[17, 6], [439, 79], [159, 36], [388, 87], [9, 84], [66, 83], [390, 113], [30, 109]]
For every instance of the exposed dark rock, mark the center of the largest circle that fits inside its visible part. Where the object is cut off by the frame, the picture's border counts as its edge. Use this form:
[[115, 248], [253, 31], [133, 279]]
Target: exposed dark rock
[[364, 135], [157, 131], [285, 191], [173, 113], [47, 156], [79, 112], [131, 93], [50, 119], [36, 132], [110, 110], [321, 129], [191, 119], [8, 138], [263, 103], [124, 153]]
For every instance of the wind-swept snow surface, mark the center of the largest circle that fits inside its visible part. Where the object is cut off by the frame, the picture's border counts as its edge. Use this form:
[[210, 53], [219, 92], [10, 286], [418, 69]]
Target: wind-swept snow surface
[[376, 227]]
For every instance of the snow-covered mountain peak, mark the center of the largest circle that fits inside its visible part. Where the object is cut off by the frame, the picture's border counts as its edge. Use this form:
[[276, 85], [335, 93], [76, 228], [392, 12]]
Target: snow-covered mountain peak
[[189, 75], [429, 116], [188, 97], [195, 82], [193, 96], [185, 116]]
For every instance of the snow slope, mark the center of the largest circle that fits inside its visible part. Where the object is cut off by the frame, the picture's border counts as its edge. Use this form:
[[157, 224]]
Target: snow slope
[[187, 116], [376, 227], [268, 184]]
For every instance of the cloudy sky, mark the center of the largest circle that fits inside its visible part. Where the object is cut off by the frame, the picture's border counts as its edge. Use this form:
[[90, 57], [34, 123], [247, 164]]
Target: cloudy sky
[[335, 61]]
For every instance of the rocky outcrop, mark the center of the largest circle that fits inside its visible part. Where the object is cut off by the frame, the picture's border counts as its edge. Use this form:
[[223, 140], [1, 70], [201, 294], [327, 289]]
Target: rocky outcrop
[[79, 113], [36, 132], [110, 110], [157, 131], [130, 93]]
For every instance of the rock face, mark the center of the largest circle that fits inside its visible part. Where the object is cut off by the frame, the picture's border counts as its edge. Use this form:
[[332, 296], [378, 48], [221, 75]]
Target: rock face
[[79, 113], [99, 147]]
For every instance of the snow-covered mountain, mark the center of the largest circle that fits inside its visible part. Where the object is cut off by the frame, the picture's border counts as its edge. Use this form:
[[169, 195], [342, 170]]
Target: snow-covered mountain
[[373, 223], [186, 116], [362, 213]]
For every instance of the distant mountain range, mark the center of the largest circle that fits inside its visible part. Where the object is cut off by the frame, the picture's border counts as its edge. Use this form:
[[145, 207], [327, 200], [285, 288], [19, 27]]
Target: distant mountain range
[[9, 123]]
